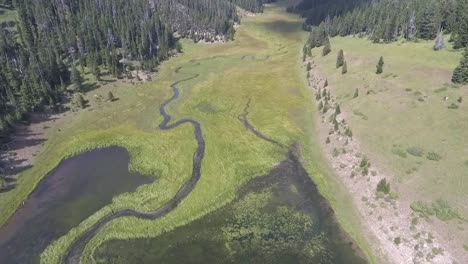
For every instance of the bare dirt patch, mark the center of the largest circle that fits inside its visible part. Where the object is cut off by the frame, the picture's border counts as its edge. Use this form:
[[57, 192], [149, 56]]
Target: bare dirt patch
[[26, 142]]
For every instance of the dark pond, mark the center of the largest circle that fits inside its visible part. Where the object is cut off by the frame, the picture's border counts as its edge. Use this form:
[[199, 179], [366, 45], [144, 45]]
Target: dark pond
[[77, 188], [277, 218]]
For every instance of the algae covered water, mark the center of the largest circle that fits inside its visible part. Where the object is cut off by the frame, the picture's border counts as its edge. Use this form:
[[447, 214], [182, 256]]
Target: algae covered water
[[77, 188], [277, 218]]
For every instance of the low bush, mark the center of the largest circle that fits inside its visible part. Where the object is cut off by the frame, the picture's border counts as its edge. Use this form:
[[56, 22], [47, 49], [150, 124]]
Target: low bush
[[433, 156], [399, 152], [383, 186]]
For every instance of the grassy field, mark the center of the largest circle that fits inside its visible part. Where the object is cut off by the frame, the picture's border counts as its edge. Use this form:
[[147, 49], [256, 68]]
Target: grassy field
[[409, 119], [280, 108]]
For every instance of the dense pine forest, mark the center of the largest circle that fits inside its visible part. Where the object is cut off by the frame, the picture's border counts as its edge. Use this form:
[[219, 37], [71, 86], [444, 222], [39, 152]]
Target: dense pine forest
[[40, 57], [385, 21]]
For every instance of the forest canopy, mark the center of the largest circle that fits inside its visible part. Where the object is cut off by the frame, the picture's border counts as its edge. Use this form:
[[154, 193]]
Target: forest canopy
[[52, 37]]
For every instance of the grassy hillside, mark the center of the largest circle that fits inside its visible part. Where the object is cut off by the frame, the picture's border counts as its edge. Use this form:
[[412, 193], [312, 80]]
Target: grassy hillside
[[261, 64], [410, 119]]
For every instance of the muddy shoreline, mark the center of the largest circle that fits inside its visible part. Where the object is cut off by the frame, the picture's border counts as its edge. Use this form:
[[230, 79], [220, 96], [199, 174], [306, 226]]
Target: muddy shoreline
[[66, 196]]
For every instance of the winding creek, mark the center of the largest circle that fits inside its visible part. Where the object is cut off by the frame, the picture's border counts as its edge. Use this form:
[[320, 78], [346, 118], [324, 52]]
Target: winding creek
[[73, 254], [12, 248], [205, 240]]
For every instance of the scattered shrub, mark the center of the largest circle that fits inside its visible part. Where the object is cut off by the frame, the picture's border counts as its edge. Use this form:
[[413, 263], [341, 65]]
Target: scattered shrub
[[356, 93], [380, 65], [433, 156], [337, 110], [365, 171], [393, 195], [397, 241], [399, 152], [335, 153], [340, 59], [110, 97], [344, 69], [423, 208], [348, 132], [328, 140], [444, 212], [383, 186]]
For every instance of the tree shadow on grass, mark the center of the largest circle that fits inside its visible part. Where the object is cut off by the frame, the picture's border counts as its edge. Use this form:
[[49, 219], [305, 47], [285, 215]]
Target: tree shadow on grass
[[282, 26]]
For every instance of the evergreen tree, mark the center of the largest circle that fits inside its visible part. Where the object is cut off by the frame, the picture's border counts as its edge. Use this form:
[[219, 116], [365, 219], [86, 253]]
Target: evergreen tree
[[428, 29], [327, 48], [344, 70], [96, 72], [383, 186], [340, 59], [309, 66], [356, 93], [380, 65], [76, 79], [338, 110], [461, 39], [78, 101], [110, 97], [460, 74]]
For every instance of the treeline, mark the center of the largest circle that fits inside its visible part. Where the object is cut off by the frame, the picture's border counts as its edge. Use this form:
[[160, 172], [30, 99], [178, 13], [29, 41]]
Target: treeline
[[252, 6], [316, 11], [388, 20], [55, 36]]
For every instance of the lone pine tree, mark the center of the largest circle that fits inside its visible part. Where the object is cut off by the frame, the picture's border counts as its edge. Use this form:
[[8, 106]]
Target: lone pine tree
[[340, 59], [327, 48], [344, 70], [380, 65]]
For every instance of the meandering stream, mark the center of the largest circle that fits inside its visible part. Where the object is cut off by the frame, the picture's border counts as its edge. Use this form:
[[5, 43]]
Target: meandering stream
[[76, 249]]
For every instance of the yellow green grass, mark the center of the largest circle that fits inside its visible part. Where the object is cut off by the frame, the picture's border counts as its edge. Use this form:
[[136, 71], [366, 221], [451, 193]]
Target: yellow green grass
[[281, 109], [406, 111]]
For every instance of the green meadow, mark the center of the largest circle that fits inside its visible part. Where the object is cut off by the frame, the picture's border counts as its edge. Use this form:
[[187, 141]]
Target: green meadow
[[410, 119], [262, 64]]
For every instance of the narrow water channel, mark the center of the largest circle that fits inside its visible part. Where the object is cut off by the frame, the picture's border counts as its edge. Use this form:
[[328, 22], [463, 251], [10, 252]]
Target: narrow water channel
[[78, 187]]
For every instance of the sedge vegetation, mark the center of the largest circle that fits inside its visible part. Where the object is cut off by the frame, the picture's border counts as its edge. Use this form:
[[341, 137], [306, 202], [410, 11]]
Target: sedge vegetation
[[250, 67]]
